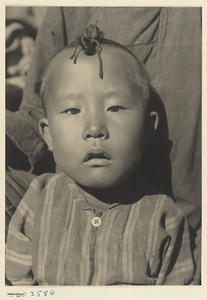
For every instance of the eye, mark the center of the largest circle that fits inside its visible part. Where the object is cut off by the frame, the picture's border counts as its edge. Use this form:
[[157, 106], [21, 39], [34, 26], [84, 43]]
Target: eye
[[72, 111], [115, 108]]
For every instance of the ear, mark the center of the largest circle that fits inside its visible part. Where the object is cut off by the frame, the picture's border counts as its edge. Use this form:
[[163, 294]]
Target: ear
[[152, 122], [154, 116], [45, 133]]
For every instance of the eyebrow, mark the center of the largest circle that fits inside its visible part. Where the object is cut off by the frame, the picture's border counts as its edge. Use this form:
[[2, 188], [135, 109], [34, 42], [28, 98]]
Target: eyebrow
[[115, 94], [106, 95]]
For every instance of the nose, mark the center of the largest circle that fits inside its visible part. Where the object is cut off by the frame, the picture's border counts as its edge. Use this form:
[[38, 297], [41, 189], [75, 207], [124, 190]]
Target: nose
[[95, 127]]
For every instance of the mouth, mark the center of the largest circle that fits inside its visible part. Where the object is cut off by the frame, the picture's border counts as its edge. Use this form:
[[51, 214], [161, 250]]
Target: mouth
[[97, 157]]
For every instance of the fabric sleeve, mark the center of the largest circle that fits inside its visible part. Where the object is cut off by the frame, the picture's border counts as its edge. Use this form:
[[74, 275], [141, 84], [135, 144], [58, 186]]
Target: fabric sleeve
[[177, 264], [19, 241]]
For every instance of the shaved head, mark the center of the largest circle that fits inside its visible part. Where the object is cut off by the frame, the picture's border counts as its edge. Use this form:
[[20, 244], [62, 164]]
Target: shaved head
[[136, 71]]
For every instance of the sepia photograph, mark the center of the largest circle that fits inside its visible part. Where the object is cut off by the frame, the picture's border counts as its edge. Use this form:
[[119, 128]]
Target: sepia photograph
[[102, 147]]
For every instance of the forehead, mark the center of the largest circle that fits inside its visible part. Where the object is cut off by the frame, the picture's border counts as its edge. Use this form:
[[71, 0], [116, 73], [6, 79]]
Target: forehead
[[112, 58], [119, 72]]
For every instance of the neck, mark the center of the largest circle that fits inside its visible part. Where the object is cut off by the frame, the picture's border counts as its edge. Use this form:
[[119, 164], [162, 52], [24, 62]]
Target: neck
[[105, 197]]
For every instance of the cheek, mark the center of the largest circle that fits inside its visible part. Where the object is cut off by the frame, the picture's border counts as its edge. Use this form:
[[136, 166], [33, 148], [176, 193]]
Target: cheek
[[133, 146], [63, 144], [131, 135]]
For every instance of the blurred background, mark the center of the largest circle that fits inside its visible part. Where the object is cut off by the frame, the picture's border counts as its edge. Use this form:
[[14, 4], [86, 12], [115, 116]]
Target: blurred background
[[22, 23]]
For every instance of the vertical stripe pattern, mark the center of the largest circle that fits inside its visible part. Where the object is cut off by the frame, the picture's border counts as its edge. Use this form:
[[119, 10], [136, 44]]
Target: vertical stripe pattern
[[143, 242], [45, 228], [127, 246]]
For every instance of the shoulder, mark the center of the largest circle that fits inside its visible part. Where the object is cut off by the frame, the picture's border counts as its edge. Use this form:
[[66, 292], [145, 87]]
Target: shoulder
[[48, 180], [158, 202], [43, 186], [159, 211], [50, 189]]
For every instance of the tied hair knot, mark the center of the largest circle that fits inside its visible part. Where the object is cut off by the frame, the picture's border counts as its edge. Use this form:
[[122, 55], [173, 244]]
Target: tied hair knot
[[90, 44]]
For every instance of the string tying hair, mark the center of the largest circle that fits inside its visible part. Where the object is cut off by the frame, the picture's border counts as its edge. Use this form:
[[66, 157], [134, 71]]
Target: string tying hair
[[89, 42]]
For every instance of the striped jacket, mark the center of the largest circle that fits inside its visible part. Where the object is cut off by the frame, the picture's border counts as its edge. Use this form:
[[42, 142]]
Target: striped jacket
[[54, 240]]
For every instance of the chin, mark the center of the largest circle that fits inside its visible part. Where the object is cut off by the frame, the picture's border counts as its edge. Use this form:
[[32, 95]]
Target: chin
[[96, 185], [101, 183]]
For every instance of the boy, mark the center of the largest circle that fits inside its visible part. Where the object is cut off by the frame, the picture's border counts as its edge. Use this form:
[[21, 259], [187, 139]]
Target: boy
[[97, 222]]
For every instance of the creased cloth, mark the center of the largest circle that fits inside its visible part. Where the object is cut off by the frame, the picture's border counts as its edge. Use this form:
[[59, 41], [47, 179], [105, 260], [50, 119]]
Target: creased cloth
[[17, 183], [52, 241]]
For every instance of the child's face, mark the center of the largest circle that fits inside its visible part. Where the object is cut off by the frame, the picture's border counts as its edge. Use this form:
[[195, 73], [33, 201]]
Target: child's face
[[95, 126]]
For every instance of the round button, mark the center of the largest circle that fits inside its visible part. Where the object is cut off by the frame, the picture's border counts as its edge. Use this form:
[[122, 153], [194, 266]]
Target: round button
[[96, 221]]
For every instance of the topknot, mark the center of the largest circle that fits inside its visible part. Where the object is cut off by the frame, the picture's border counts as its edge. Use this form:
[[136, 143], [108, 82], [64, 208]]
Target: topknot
[[90, 44]]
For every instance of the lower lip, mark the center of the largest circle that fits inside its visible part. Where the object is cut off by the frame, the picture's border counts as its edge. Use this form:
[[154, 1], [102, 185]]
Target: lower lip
[[98, 162]]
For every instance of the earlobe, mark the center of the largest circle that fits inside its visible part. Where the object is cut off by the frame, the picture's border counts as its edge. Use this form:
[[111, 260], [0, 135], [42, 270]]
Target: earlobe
[[155, 116], [45, 133]]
